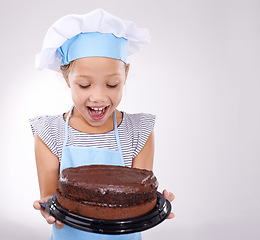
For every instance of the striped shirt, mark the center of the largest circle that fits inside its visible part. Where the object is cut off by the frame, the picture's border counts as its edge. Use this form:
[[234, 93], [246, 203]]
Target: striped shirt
[[133, 131]]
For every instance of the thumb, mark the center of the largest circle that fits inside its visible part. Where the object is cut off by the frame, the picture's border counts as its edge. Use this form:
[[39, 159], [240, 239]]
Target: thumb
[[37, 205]]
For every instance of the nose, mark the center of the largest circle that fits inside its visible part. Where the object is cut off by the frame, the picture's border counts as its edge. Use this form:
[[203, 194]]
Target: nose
[[97, 95]]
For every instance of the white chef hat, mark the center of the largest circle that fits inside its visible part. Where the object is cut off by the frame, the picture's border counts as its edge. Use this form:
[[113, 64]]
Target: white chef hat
[[97, 33]]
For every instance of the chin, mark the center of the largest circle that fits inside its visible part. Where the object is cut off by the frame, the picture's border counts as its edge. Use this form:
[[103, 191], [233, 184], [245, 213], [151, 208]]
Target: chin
[[96, 123]]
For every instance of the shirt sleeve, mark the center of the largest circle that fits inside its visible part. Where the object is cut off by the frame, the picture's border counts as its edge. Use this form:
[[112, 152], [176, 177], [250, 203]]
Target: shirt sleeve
[[43, 126], [144, 124]]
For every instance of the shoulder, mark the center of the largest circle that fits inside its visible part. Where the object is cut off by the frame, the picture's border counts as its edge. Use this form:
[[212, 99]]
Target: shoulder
[[49, 120], [138, 123], [138, 119], [46, 124], [49, 129]]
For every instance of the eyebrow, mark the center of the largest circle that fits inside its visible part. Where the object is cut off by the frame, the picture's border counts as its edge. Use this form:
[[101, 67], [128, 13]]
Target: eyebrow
[[83, 76], [108, 75], [113, 74]]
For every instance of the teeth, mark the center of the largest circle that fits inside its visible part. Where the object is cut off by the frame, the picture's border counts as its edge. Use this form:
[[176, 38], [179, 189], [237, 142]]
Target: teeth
[[97, 109]]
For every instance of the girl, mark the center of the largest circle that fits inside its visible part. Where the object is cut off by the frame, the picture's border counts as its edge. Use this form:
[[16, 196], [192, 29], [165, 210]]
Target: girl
[[91, 52]]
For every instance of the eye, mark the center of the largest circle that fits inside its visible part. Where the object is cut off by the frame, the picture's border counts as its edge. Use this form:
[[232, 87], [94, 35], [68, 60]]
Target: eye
[[112, 86], [84, 86]]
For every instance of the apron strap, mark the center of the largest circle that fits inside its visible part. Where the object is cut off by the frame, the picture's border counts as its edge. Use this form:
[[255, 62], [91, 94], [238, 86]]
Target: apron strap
[[118, 140], [66, 127]]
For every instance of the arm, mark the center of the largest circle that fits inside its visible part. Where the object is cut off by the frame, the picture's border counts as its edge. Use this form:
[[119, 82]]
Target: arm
[[144, 160], [48, 173], [47, 168]]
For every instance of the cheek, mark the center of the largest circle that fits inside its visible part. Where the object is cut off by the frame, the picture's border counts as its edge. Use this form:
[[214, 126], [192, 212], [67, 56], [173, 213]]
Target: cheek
[[77, 95], [117, 95]]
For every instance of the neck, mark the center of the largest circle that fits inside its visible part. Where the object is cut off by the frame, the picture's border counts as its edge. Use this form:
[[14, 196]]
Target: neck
[[78, 122]]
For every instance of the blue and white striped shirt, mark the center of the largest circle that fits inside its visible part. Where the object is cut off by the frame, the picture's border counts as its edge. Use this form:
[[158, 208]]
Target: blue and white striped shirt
[[133, 131]]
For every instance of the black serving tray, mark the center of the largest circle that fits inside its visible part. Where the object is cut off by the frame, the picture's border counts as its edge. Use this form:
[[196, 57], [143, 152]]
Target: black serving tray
[[122, 226]]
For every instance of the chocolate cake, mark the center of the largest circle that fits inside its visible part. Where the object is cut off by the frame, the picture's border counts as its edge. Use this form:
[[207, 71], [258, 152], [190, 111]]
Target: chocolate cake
[[107, 192]]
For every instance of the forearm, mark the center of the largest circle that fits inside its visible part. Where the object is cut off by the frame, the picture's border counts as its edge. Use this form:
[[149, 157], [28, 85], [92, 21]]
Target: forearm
[[47, 168]]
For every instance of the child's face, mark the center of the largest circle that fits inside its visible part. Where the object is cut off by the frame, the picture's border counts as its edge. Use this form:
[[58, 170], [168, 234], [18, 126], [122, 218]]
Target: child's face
[[96, 85]]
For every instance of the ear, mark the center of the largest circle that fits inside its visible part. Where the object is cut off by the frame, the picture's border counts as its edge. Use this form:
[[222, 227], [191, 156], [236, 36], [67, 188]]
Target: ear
[[67, 81], [126, 71], [66, 77]]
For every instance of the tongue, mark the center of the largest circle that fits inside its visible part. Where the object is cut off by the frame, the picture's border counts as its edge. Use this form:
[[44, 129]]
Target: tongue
[[96, 113]]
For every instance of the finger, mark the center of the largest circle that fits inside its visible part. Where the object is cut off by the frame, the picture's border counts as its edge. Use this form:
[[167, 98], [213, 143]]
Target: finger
[[59, 225], [36, 205], [50, 219], [171, 215], [171, 197], [168, 195], [165, 193]]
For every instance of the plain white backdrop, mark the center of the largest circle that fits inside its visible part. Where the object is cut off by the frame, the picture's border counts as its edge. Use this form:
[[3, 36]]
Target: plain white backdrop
[[199, 76]]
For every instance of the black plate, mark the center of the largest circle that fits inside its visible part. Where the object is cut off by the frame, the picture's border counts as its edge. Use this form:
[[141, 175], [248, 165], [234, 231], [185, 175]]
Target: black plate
[[122, 226]]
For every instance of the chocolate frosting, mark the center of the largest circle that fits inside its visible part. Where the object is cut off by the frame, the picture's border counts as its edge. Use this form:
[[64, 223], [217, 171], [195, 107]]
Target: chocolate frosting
[[105, 191], [107, 178]]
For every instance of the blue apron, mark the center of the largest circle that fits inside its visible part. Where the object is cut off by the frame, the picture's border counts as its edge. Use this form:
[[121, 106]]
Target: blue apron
[[73, 156]]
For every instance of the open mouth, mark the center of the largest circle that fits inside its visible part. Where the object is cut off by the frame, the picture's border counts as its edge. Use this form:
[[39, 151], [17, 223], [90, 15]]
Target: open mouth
[[97, 113]]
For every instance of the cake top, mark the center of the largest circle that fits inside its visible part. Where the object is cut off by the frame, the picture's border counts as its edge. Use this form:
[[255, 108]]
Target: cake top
[[110, 178]]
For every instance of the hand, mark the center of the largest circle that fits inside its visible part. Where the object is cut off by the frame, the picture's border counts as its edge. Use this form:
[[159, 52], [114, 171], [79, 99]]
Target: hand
[[170, 197], [50, 219]]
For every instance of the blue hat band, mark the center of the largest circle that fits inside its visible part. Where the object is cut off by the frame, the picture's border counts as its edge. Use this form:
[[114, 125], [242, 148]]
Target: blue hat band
[[93, 44]]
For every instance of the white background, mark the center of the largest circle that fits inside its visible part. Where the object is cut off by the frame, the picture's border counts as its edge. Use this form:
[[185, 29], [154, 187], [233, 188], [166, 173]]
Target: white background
[[200, 76]]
